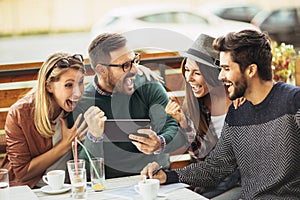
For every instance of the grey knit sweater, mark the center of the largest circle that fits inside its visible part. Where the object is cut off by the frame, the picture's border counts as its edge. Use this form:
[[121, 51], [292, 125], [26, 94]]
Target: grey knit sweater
[[264, 141]]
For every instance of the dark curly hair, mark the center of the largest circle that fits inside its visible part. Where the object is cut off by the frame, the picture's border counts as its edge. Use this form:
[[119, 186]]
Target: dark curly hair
[[248, 47]]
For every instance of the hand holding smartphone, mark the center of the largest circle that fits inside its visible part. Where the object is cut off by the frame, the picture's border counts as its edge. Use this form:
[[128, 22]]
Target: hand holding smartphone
[[141, 135], [144, 135]]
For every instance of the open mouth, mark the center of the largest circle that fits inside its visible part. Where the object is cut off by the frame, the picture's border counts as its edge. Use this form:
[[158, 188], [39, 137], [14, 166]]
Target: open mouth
[[72, 104], [228, 85], [196, 88], [129, 82]]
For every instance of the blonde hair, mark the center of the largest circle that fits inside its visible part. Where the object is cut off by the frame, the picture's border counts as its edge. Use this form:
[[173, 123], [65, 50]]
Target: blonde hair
[[44, 101]]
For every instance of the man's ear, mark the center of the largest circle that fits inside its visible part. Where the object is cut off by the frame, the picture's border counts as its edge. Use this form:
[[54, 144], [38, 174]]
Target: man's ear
[[252, 70], [100, 69]]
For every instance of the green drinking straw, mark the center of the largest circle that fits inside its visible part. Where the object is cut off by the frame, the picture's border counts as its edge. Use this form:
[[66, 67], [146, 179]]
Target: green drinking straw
[[90, 159]]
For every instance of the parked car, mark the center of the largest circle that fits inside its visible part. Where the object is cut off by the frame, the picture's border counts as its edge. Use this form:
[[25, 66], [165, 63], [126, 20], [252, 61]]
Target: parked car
[[283, 24], [238, 11], [178, 18]]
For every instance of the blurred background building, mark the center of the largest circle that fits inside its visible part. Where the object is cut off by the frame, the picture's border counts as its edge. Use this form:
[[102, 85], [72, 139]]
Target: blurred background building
[[22, 17], [32, 29]]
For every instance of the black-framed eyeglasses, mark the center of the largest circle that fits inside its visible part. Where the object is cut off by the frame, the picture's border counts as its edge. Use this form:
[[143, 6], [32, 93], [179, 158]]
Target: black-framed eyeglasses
[[67, 62], [127, 65]]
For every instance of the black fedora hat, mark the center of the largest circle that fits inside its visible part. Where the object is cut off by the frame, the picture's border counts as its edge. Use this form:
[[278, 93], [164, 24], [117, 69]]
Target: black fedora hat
[[203, 52]]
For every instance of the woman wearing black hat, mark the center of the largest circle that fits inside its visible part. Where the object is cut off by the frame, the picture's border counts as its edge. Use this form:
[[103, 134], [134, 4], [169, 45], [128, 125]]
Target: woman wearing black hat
[[202, 115]]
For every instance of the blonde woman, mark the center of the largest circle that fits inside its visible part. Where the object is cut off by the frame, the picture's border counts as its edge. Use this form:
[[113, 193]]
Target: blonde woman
[[37, 137]]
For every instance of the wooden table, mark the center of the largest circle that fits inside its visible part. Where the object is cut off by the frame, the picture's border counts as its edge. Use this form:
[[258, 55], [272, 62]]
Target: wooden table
[[120, 183]]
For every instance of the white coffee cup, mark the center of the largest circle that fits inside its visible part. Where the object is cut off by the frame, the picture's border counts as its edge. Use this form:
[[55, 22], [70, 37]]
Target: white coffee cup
[[148, 189], [55, 179]]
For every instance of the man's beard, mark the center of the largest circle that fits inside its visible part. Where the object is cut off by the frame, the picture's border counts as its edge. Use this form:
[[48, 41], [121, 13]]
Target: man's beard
[[120, 86], [239, 88]]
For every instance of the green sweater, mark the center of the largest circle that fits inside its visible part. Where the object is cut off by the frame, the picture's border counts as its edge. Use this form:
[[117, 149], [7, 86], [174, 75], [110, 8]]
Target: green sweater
[[147, 102]]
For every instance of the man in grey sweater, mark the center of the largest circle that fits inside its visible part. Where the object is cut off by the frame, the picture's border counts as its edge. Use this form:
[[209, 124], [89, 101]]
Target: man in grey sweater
[[262, 136]]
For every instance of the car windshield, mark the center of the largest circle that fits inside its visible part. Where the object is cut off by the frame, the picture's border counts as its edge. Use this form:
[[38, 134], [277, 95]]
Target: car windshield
[[284, 17], [111, 20], [174, 17], [239, 11]]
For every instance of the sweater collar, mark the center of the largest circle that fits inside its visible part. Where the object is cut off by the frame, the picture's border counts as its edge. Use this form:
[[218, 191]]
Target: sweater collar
[[98, 88]]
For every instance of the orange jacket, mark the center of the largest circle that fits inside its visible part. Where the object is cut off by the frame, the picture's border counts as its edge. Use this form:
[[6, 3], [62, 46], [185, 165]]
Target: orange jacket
[[24, 142]]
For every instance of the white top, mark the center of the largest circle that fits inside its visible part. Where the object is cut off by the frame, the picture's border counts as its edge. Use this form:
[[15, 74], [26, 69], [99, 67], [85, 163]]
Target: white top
[[57, 127], [60, 163], [217, 123]]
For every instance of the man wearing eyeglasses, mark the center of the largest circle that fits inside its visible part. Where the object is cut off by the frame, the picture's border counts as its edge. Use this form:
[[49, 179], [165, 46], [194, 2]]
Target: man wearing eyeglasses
[[122, 94]]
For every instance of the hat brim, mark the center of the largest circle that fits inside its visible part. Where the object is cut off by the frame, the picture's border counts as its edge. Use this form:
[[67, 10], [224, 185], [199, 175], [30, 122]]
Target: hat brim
[[195, 58]]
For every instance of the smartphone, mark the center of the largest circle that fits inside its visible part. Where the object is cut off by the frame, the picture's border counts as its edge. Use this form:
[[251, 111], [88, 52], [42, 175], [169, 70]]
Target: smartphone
[[142, 134], [117, 130]]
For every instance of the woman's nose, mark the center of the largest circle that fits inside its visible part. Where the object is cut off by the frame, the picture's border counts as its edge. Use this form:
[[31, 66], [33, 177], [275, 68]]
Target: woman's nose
[[77, 91], [189, 77]]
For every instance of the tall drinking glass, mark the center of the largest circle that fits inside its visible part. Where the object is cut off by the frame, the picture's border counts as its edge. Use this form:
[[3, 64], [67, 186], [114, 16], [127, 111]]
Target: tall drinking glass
[[78, 182], [77, 174], [72, 164], [97, 173]]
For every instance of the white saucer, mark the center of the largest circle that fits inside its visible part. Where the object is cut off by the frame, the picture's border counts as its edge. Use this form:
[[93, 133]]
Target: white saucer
[[161, 196], [47, 189]]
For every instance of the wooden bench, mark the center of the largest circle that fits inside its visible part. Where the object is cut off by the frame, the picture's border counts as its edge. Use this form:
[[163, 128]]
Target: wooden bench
[[17, 79]]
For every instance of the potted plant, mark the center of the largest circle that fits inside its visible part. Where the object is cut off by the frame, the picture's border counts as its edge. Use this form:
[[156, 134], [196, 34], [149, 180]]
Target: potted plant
[[283, 62]]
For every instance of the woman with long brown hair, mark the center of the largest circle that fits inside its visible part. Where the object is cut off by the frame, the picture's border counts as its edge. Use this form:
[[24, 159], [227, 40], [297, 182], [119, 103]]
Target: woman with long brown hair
[[202, 115]]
